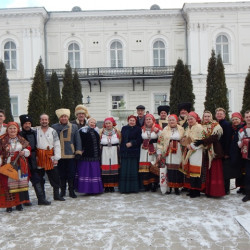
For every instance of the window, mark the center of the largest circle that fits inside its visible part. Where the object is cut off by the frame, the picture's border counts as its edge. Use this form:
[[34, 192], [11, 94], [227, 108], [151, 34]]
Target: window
[[117, 101], [14, 105], [159, 99], [74, 55], [222, 48], [230, 99], [159, 53], [10, 55], [116, 54]]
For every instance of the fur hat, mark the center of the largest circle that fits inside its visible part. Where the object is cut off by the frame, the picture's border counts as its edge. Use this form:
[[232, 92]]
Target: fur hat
[[185, 105], [60, 112], [82, 109], [25, 118], [165, 108]]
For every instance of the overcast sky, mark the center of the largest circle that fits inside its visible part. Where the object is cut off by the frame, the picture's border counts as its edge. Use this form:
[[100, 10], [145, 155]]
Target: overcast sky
[[66, 5]]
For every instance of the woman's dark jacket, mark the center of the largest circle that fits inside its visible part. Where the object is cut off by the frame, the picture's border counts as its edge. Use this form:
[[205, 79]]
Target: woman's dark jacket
[[133, 135]]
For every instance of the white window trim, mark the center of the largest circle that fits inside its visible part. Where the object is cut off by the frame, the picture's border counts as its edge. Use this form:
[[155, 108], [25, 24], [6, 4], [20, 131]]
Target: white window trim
[[18, 104], [153, 100], [117, 94]]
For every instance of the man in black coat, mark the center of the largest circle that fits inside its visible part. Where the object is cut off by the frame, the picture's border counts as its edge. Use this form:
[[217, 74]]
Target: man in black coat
[[140, 115], [30, 135], [225, 142]]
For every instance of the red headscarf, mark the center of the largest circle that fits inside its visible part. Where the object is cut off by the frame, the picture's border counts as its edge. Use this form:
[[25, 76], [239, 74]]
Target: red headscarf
[[154, 124], [150, 115], [195, 115], [238, 115], [109, 119], [174, 116], [131, 116], [13, 124]]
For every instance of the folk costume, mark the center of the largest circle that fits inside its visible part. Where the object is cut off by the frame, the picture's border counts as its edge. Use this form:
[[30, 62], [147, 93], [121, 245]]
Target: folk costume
[[169, 147], [81, 109], [129, 179], [183, 119], [48, 150], [148, 155], [213, 158], [244, 144], [88, 177], [162, 123], [70, 149], [14, 192], [35, 177], [192, 167], [110, 164]]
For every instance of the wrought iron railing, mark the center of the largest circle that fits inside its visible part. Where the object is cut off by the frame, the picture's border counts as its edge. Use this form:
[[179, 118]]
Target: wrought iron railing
[[106, 73]]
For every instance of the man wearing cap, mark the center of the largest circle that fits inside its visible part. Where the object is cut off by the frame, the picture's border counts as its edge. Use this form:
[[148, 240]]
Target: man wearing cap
[[37, 182], [3, 126], [183, 109], [70, 150], [140, 115], [163, 113], [82, 114], [48, 154]]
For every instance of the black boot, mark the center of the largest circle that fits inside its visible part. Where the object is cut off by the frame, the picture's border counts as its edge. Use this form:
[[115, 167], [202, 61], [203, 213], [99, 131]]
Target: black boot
[[40, 194], [154, 187], [57, 197], [71, 188], [246, 198], [170, 191], [177, 191], [9, 209], [19, 207], [63, 187]]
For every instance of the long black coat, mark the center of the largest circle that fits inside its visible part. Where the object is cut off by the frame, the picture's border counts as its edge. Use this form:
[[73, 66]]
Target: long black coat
[[225, 139], [133, 135]]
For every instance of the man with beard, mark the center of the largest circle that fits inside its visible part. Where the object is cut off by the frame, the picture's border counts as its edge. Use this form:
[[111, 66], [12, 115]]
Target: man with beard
[[36, 180], [48, 154], [183, 109], [163, 111], [70, 150]]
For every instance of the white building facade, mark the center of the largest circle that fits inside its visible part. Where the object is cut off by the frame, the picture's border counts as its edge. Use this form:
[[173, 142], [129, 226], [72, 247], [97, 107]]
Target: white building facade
[[127, 55]]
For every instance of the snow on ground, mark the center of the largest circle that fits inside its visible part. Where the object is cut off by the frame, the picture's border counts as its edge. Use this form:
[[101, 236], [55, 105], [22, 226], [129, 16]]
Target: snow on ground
[[128, 221]]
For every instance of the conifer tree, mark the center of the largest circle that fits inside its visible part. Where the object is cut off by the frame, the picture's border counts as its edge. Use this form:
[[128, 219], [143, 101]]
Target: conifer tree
[[246, 94], [210, 102], [5, 93], [181, 87], [38, 97], [77, 89], [221, 91], [68, 91], [54, 98]]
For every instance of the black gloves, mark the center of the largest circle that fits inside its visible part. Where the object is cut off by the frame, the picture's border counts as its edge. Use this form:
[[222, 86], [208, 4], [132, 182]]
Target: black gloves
[[197, 143], [78, 157]]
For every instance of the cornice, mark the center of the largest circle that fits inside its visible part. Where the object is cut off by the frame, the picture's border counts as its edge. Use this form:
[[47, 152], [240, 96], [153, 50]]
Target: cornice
[[24, 12], [215, 7], [110, 14]]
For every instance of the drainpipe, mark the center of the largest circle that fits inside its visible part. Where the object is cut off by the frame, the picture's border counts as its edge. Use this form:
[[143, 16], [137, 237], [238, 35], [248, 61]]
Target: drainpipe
[[186, 38], [45, 42]]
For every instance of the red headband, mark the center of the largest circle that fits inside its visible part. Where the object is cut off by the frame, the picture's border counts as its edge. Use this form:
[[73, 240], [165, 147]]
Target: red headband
[[111, 119], [174, 116], [13, 124], [195, 115], [131, 116], [238, 115]]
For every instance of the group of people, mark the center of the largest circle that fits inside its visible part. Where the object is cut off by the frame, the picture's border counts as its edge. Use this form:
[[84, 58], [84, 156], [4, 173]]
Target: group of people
[[197, 155]]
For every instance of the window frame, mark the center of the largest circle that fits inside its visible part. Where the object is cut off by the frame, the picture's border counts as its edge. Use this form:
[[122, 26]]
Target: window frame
[[116, 51], [74, 52], [222, 44], [10, 52], [159, 50]]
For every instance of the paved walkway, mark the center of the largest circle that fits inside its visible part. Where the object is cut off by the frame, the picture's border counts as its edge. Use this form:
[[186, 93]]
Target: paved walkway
[[127, 221]]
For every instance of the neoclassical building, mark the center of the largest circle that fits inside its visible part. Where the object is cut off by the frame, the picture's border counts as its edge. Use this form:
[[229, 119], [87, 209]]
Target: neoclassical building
[[126, 56]]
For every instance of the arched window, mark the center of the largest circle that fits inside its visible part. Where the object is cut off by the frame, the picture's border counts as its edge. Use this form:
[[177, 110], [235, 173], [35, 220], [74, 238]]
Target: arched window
[[116, 54], [159, 51], [222, 48], [10, 55], [74, 55]]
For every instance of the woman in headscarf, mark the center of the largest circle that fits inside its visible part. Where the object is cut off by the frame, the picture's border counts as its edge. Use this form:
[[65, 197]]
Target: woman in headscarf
[[148, 156], [130, 154], [236, 161], [13, 192], [88, 178], [195, 172], [110, 141], [212, 155], [169, 147]]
